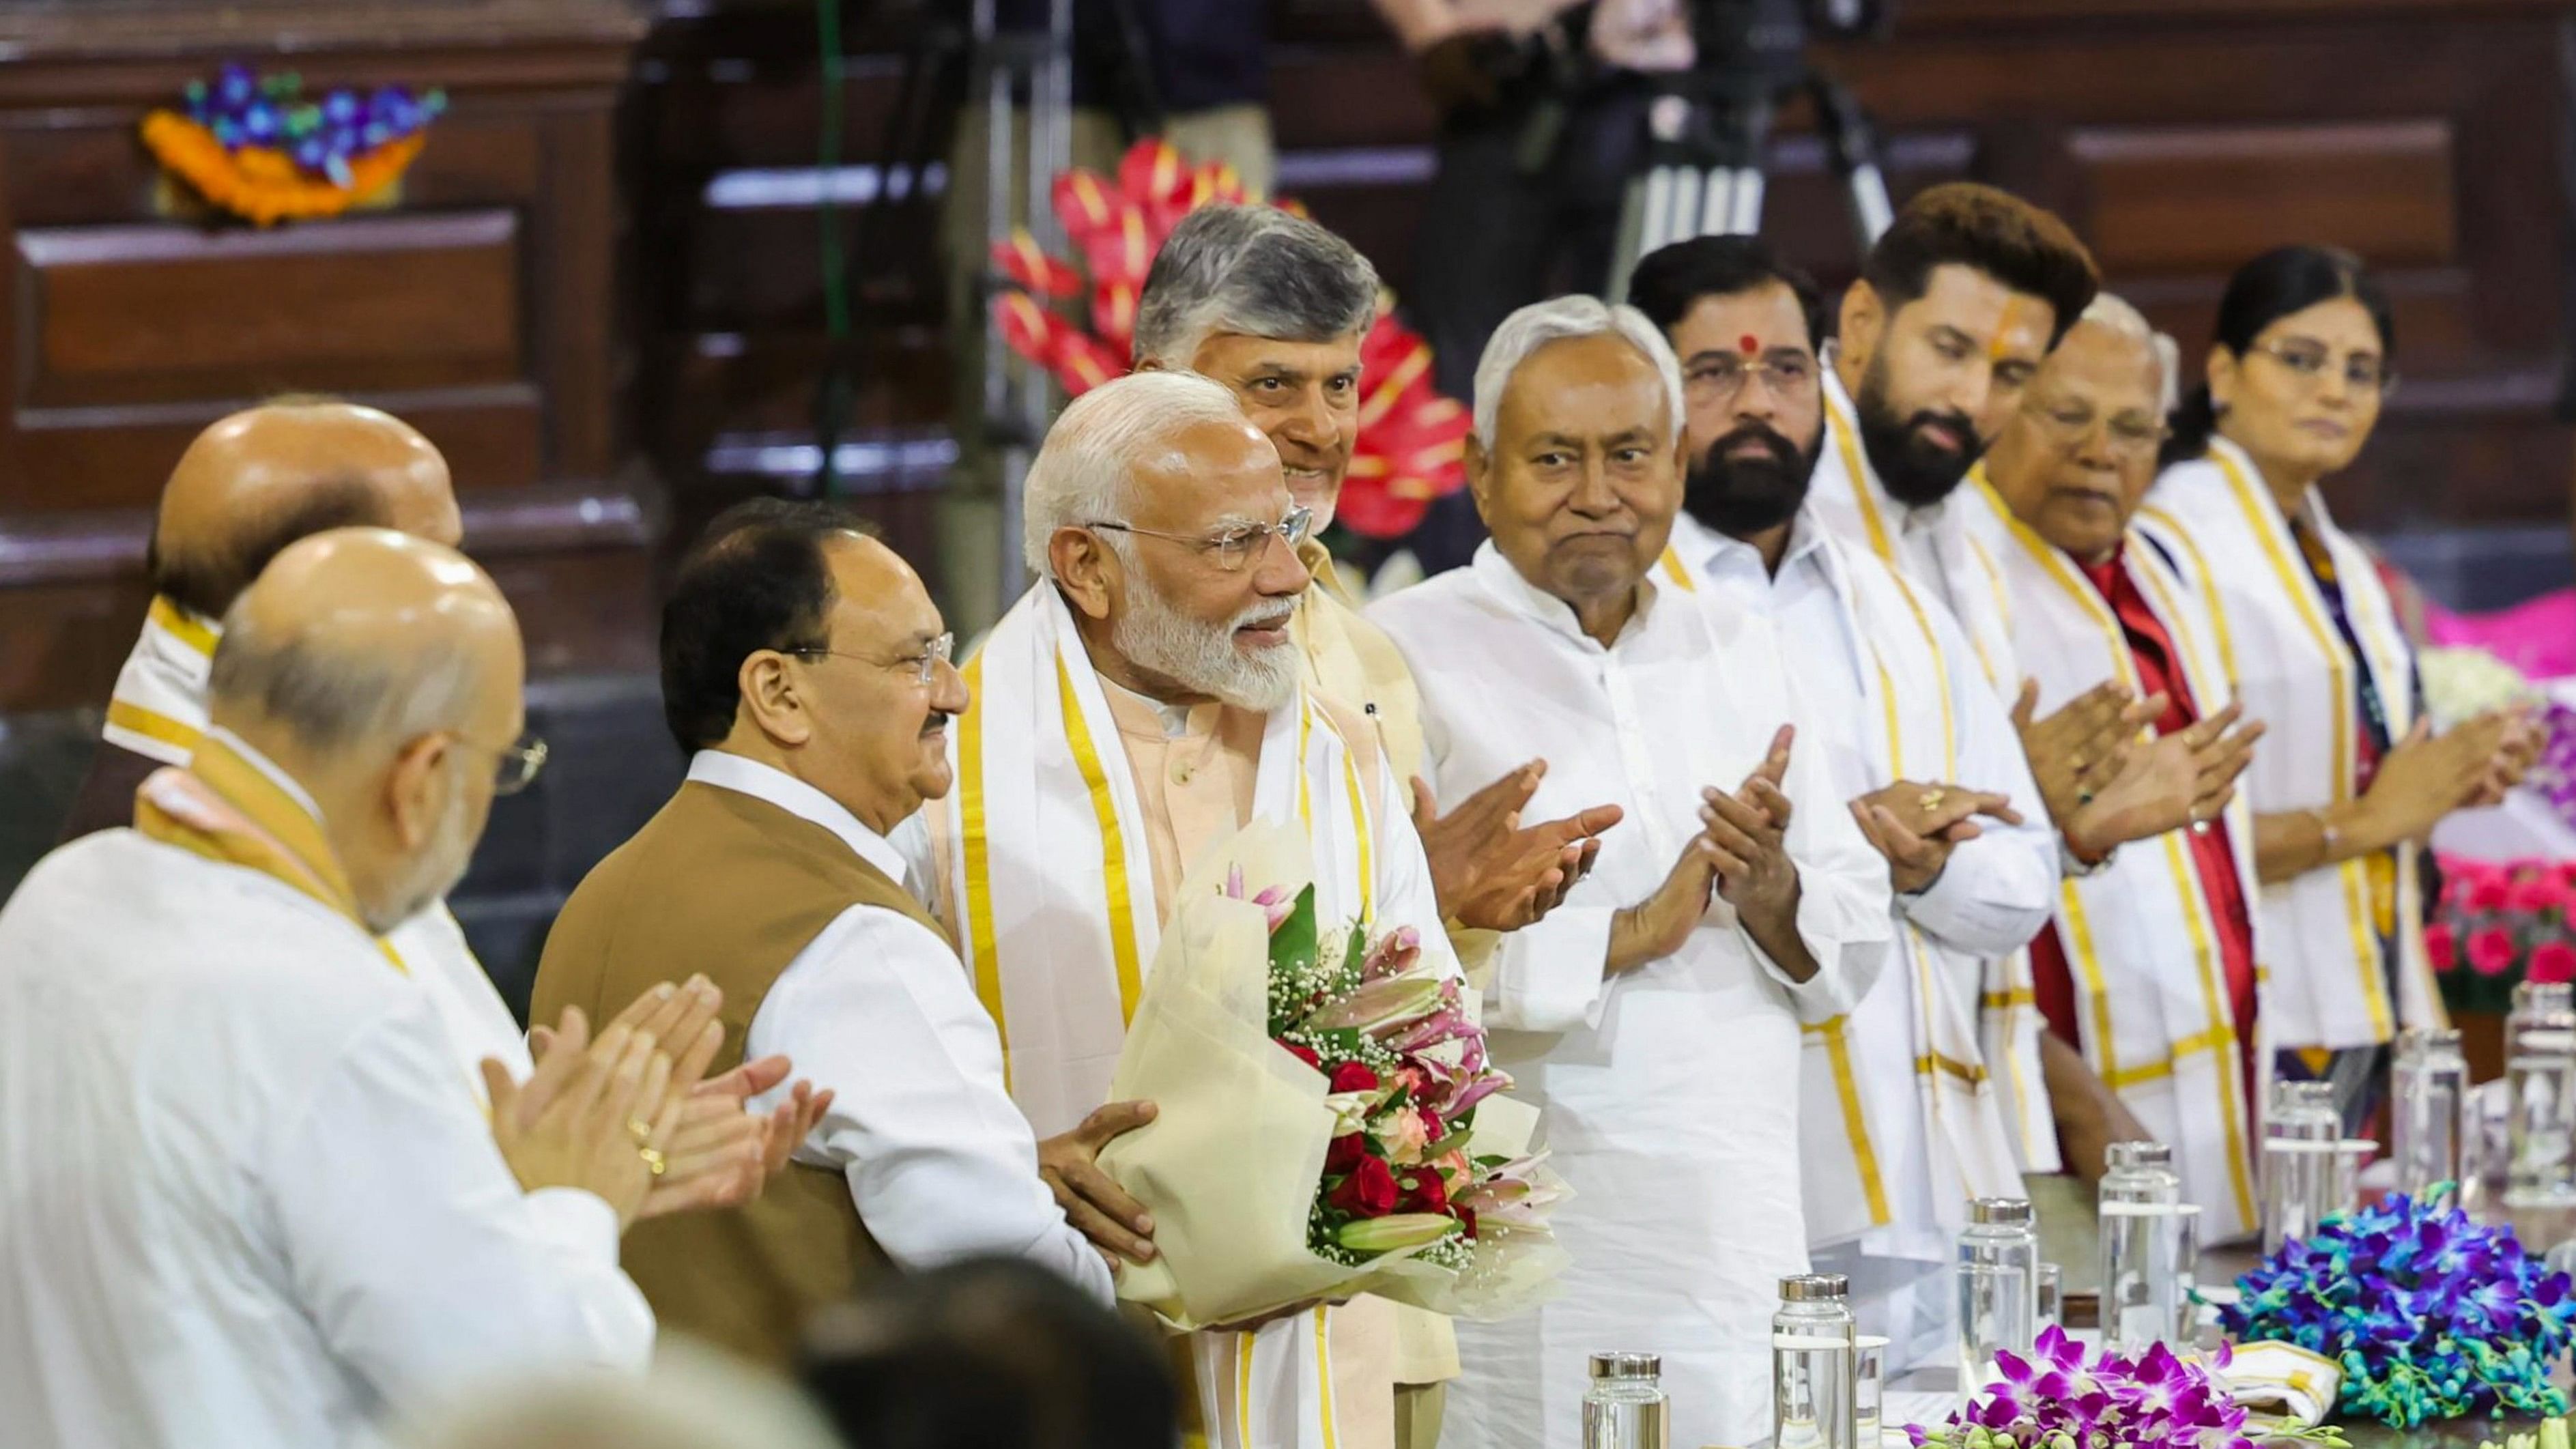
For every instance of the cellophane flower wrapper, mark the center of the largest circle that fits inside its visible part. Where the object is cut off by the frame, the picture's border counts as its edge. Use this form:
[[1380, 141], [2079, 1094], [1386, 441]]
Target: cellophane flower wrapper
[[1241, 1156], [2431, 1315]]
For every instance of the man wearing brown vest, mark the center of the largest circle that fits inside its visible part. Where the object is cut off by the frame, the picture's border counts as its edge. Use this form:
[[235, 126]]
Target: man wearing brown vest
[[807, 671]]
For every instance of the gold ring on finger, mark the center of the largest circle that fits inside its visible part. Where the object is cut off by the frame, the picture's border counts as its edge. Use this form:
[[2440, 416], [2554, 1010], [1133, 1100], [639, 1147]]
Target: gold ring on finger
[[1931, 799], [640, 1129], [654, 1159]]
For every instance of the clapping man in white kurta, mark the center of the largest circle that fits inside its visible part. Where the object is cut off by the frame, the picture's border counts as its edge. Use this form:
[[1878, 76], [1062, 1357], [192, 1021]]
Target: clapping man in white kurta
[[1655, 1015]]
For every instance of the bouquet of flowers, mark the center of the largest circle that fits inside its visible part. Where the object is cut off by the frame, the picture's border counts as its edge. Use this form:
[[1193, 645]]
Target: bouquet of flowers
[[1412, 440], [2499, 923], [260, 148], [2431, 1315], [1328, 1123], [2065, 1400]]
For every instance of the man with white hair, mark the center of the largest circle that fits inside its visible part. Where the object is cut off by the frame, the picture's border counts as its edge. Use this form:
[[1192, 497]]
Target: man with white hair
[[1140, 704], [2149, 969], [1655, 1016], [1275, 307]]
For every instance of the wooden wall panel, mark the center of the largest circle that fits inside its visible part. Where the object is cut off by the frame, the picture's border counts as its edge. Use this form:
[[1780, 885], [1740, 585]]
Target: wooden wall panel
[[2194, 199]]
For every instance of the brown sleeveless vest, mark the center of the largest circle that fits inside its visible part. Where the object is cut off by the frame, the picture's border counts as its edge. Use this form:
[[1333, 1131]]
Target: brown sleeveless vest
[[727, 884]]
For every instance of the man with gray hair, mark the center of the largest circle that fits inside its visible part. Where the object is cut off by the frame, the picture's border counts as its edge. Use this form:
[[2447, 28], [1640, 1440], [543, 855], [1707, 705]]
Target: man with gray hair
[[247, 1196], [1275, 307], [1655, 1016], [1139, 705]]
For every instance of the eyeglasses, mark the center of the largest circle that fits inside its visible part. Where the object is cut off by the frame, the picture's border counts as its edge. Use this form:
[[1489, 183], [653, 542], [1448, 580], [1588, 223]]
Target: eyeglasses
[[1236, 547], [2362, 371], [1720, 379], [924, 665], [517, 763], [2130, 433]]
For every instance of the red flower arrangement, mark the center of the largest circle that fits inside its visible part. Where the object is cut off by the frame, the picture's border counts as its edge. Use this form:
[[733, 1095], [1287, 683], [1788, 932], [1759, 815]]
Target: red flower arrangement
[[2499, 923], [1412, 440]]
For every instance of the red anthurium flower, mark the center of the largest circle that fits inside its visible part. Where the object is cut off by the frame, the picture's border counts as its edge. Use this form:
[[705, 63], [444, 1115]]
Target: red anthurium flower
[[1021, 260], [1113, 316], [1083, 362]]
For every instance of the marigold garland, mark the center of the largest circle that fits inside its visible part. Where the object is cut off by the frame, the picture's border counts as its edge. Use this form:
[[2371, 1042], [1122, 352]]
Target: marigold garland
[[261, 149], [263, 185]]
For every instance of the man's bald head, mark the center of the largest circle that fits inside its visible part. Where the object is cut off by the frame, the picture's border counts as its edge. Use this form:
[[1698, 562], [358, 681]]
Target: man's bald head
[[259, 480], [383, 673]]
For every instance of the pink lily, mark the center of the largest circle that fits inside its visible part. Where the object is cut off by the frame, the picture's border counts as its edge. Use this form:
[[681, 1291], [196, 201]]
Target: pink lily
[[1392, 954], [1393, 1001]]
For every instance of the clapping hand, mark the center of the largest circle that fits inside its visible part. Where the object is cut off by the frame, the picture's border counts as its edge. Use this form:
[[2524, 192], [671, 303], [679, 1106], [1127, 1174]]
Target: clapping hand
[[2185, 778], [1750, 830], [2076, 752], [1489, 872], [578, 1121], [1916, 826]]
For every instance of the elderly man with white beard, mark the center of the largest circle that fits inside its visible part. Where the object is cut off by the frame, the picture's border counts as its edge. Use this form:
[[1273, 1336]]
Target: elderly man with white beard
[[1654, 1016], [1140, 704]]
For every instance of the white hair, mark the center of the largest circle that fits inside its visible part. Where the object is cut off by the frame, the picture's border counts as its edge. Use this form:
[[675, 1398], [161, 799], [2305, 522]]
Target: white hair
[[2114, 312], [1540, 323], [1084, 469]]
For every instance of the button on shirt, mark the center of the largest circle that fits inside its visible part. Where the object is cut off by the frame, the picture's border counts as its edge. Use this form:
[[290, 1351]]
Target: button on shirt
[[877, 1009]]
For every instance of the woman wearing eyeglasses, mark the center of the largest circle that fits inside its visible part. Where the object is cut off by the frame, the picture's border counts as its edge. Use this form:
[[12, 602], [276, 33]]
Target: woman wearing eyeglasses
[[2350, 780]]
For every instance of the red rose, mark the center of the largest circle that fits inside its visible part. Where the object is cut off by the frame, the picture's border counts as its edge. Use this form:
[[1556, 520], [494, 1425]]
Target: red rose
[[2491, 951], [1369, 1192], [1304, 1054], [1424, 1192], [2442, 946], [1344, 1153], [2553, 961], [1433, 1129], [1467, 1219], [1353, 1077]]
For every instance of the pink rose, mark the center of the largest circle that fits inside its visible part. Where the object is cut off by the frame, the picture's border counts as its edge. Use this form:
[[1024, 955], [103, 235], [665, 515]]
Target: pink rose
[[2541, 891], [2491, 951], [2488, 890], [2553, 961], [2442, 946]]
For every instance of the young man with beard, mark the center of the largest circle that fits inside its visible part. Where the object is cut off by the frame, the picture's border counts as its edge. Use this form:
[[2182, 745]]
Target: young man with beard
[[1955, 308], [1909, 1108], [1144, 701]]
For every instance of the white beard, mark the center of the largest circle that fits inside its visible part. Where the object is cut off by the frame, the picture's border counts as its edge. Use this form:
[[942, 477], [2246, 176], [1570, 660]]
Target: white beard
[[1157, 638]]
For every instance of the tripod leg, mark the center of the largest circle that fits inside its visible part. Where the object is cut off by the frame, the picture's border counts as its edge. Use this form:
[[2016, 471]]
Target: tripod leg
[[1851, 143]]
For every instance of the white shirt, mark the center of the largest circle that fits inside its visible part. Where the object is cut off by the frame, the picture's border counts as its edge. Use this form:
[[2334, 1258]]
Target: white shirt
[[1669, 1092], [878, 1010], [1993, 894], [245, 1196]]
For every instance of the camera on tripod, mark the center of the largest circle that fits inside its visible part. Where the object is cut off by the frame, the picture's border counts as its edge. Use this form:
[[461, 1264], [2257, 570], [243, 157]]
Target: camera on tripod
[[1709, 127]]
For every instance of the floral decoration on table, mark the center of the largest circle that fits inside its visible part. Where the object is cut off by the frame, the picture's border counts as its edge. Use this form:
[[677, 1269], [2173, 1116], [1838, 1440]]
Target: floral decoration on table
[[2432, 1316], [2461, 682], [259, 148], [1412, 440], [2500, 923], [2061, 1398]]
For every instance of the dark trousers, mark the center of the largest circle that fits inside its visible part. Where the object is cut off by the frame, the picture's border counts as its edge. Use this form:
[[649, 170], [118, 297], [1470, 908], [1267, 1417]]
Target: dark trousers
[[1497, 235]]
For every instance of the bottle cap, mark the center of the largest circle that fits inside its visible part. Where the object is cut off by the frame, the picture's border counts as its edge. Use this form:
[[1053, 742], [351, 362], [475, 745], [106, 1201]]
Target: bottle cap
[[1814, 1288], [2544, 995], [2423, 1038], [1627, 1365], [2139, 1154], [1999, 1210]]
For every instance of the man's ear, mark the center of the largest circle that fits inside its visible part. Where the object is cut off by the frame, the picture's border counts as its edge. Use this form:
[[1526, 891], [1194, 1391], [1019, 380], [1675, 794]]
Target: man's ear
[[772, 692], [1864, 318], [1482, 477], [1087, 571], [416, 789]]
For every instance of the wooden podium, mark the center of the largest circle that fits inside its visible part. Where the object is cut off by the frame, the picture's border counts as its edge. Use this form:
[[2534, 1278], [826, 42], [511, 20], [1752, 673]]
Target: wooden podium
[[481, 304]]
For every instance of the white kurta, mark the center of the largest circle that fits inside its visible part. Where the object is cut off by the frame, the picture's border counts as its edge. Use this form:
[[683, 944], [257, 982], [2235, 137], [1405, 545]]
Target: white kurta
[[2140, 935], [1895, 690], [2325, 977], [244, 1196], [1939, 546], [1670, 1092]]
